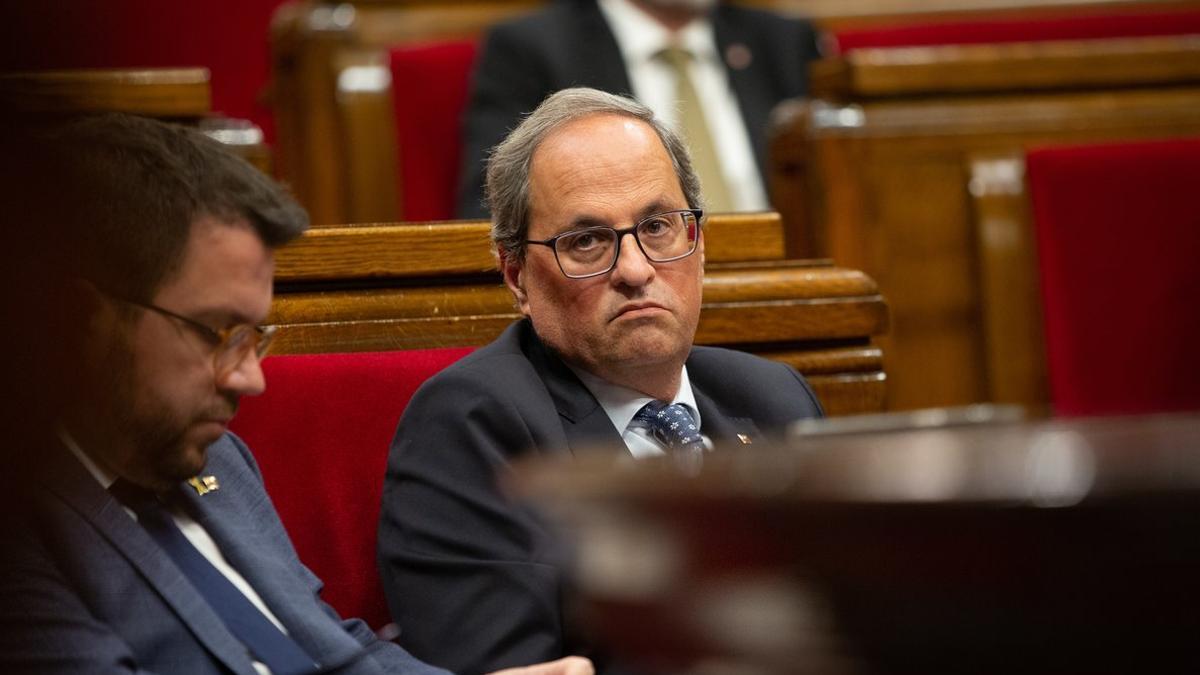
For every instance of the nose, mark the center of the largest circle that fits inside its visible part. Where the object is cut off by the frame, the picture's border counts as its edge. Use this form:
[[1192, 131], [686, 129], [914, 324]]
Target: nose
[[633, 268], [245, 378]]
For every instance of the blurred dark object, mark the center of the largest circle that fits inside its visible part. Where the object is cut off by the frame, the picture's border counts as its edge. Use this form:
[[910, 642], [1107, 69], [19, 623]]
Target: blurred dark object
[[992, 548]]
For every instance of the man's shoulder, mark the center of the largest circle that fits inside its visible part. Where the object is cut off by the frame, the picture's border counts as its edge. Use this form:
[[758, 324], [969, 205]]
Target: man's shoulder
[[756, 17], [553, 15], [705, 357], [751, 382], [500, 368]]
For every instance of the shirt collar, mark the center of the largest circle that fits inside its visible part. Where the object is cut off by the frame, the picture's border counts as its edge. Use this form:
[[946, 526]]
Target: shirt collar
[[622, 403], [102, 476], [640, 37]]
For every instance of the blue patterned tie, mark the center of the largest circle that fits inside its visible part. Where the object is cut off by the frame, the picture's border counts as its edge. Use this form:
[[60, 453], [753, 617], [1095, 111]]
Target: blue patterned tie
[[672, 425], [265, 641]]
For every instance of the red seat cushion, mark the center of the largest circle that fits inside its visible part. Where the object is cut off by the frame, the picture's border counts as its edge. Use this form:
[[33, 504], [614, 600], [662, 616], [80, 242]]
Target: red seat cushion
[[430, 86], [321, 434], [1118, 231], [1022, 30]]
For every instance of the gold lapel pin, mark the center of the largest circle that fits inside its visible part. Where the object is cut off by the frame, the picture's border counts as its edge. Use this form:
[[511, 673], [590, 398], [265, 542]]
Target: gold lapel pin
[[204, 484], [746, 440]]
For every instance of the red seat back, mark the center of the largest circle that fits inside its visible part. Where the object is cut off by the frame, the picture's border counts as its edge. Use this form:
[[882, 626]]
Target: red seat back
[[430, 84], [1039, 29], [1118, 231], [321, 434]]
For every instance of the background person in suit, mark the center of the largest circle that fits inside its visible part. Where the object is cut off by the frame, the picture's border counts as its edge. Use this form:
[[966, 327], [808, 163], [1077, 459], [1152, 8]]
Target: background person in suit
[[595, 222], [144, 540], [742, 63]]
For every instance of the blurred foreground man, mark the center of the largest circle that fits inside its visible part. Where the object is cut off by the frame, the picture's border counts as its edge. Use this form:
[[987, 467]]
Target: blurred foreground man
[[596, 221], [138, 537], [710, 70]]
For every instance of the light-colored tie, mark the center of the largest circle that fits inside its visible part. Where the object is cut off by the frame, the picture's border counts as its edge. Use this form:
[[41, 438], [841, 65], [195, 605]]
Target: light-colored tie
[[694, 126]]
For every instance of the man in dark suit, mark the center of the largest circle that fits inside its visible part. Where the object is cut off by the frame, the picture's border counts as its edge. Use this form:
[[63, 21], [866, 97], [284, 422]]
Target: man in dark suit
[[137, 534], [597, 227], [753, 60]]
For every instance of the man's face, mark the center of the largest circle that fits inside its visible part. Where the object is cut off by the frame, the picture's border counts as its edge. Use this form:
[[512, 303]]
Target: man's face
[[168, 403], [637, 321]]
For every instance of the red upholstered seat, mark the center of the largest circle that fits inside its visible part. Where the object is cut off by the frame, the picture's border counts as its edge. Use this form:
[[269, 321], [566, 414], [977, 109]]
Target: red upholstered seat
[[1127, 24], [1118, 231], [430, 85], [321, 434]]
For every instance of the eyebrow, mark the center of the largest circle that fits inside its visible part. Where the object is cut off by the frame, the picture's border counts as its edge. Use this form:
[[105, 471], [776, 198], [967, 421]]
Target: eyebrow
[[222, 317], [586, 221]]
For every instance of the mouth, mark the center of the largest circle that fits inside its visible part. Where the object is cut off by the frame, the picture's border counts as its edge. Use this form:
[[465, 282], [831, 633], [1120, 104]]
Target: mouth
[[637, 310]]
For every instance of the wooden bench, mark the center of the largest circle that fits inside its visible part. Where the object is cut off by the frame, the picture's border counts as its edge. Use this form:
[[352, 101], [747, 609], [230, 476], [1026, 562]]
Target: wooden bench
[[181, 95], [421, 286], [896, 163], [335, 97]]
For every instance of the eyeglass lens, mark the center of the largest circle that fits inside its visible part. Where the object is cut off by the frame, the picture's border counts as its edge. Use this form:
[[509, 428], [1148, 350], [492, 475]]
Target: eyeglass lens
[[240, 341], [663, 237]]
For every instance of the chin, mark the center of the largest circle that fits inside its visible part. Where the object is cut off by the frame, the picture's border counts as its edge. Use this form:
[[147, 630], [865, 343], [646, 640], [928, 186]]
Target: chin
[[650, 347]]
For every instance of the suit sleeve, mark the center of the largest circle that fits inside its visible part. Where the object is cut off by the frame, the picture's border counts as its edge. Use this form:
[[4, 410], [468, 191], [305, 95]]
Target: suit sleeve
[[510, 80], [389, 656], [471, 576], [43, 623]]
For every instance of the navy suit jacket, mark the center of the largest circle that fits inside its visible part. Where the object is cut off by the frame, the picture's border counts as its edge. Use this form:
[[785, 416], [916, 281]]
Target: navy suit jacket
[[475, 579], [569, 44], [86, 590]]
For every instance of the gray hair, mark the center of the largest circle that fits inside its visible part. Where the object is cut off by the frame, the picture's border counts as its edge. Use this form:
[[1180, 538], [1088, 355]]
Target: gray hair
[[509, 164]]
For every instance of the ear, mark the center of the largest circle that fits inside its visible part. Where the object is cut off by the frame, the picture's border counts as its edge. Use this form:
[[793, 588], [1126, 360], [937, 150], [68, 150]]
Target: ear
[[93, 316], [514, 278], [83, 301]]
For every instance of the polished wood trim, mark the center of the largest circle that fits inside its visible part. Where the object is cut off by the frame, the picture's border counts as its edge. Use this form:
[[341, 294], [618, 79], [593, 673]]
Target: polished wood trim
[[464, 247], [1023, 66], [424, 285], [1009, 288], [155, 92]]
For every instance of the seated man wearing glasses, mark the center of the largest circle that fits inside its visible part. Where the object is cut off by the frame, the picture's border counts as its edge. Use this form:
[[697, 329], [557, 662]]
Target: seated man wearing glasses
[[597, 225], [137, 534]]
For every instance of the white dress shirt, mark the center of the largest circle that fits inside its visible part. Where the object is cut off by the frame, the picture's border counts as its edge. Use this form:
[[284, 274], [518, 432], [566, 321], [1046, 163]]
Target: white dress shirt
[[622, 403], [640, 37], [191, 529]]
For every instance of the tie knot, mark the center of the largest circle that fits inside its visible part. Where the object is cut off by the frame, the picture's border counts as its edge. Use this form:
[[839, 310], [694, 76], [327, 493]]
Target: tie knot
[[676, 56], [671, 424]]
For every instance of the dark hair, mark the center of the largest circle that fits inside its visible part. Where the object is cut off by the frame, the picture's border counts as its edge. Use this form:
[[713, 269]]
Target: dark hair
[[110, 199], [134, 187]]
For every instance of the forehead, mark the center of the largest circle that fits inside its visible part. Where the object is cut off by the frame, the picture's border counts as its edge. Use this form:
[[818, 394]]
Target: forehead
[[224, 265], [601, 169]]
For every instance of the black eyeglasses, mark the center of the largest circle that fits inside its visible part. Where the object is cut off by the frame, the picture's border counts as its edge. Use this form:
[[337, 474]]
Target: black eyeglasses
[[593, 251], [230, 345]]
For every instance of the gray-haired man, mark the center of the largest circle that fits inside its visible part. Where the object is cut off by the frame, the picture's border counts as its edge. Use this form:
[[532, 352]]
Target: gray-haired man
[[596, 220]]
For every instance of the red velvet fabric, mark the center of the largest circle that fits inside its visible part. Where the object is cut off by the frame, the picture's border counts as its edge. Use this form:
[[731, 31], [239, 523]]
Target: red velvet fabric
[[1022, 30], [1118, 231], [430, 86], [321, 434], [229, 37]]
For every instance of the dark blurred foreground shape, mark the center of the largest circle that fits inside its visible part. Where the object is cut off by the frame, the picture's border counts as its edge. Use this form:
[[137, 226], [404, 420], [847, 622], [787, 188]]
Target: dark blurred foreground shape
[[997, 548]]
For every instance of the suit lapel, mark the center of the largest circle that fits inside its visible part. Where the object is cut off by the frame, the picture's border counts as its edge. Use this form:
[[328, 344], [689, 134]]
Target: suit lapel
[[749, 83], [72, 483], [586, 425], [604, 67], [720, 427], [232, 517]]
